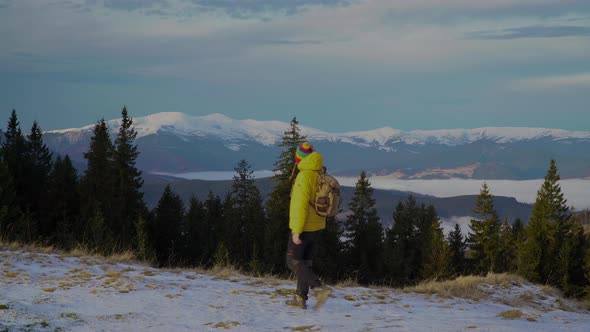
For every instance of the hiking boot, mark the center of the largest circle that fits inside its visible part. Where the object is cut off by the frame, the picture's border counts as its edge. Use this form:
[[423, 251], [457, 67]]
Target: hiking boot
[[321, 295], [297, 302]]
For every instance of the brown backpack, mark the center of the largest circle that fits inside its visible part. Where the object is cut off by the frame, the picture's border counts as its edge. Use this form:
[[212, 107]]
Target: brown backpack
[[327, 196]]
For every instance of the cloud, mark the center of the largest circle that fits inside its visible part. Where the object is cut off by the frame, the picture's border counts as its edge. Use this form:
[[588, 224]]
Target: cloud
[[247, 8], [532, 32], [581, 80], [240, 9], [464, 222], [131, 4]]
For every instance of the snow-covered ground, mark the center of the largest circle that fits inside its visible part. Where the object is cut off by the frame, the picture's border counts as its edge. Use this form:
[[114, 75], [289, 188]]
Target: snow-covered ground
[[52, 292]]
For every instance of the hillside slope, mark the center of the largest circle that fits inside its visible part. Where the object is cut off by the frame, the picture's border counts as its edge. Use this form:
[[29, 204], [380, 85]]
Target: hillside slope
[[53, 292]]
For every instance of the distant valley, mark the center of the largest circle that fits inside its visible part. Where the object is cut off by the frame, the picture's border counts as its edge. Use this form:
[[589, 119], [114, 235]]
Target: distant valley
[[448, 208]]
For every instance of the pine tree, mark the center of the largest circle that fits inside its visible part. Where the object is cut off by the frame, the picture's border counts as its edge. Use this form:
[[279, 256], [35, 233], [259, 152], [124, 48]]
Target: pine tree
[[37, 182], [98, 182], [586, 269], [518, 231], [14, 154], [8, 211], [430, 244], [457, 246], [144, 251], [545, 232], [167, 228], [277, 229], [435, 263], [328, 260], [484, 236], [98, 235], [213, 224], [571, 278], [364, 233], [401, 260], [506, 249], [128, 201], [63, 204], [415, 246], [197, 233], [246, 218]]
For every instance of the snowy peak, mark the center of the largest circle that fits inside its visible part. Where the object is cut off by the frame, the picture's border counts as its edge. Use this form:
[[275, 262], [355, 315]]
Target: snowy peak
[[269, 132]]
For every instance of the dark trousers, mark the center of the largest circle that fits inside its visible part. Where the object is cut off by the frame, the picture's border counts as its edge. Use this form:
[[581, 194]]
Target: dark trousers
[[299, 260]]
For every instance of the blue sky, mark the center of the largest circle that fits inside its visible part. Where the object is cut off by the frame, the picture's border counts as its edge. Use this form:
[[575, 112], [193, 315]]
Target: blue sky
[[337, 65]]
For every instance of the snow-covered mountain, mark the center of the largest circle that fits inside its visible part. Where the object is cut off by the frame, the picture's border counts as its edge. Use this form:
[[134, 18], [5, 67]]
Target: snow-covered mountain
[[269, 132], [177, 142]]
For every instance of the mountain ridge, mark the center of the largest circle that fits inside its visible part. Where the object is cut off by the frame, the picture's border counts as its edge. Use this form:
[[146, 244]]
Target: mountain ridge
[[176, 142], [269, 132]]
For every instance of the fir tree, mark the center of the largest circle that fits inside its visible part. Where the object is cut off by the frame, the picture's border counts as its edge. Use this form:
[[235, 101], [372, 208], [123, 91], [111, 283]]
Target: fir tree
[[37, 182], [98, 180], [430, 244], [506, 249], [14, 151], [8, 211], [167, 228], [197, 233], [277, 230], [129, 199], [484, 236], [213, 225], [98, 235], [570, 262], [328, 260], [586, 269], [457, 246], [364, 233], [545, 232], [400, 243], [518, 231], [435, 263], [413, 242], [14, 154], [144, 251], [63, 204], [245, 216]]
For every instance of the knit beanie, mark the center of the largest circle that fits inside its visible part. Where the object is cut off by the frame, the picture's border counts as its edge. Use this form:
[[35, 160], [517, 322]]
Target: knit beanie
[[304, 150]]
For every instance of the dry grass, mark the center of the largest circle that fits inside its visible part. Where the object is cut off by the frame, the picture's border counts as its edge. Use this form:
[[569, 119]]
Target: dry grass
[[518, 314], [305, 328], [11, 274], [347, 283], [30, 247], [223, 325], [466, 287], [81, 251]]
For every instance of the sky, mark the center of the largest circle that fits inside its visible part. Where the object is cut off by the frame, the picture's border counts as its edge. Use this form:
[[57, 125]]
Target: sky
[[337, 65]]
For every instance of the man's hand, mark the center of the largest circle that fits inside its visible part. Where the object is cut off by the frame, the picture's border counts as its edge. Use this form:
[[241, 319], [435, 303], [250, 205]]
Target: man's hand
[[296, 238]]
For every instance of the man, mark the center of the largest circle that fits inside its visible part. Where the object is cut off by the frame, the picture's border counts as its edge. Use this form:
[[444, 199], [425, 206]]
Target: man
[[305, 225]]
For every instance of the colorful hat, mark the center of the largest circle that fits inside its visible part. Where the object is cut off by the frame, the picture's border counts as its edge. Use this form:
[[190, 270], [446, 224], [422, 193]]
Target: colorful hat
[[304, 150]]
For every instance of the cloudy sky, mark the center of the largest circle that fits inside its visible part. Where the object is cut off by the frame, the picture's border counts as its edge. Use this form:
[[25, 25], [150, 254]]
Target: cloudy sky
[[337, 65]]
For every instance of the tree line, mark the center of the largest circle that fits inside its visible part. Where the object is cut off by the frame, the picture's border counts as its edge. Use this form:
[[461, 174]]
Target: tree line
[[43, 199]]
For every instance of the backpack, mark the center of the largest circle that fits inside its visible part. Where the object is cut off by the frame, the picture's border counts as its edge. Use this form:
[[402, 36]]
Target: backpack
[[327, 196]]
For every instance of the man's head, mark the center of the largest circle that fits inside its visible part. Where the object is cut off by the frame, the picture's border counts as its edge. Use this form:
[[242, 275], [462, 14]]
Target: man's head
[[304, 150]]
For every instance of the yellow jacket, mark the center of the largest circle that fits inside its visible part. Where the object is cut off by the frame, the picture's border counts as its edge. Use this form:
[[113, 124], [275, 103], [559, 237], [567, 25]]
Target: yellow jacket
[[302, 216]]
